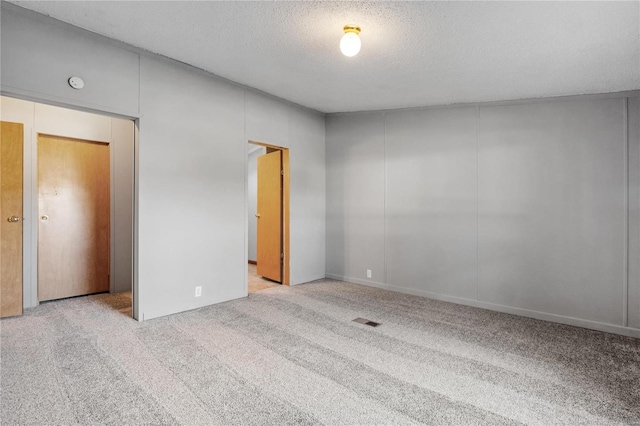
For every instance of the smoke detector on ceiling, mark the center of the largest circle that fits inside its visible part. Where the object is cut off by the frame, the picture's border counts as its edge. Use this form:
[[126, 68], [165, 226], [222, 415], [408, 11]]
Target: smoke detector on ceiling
[[76, 82]]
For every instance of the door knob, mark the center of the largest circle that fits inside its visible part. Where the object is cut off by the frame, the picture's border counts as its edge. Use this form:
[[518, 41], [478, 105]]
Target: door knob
[[257, 214], [44, 217], [13, 219]]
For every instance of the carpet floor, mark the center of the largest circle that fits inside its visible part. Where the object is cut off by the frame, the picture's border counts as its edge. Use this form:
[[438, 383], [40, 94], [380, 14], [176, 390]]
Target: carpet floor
[[293, 356]]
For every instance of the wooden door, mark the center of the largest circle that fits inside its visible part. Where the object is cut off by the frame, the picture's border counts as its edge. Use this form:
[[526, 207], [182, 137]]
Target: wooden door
[[270, 216], [74, 217], [11, 146]]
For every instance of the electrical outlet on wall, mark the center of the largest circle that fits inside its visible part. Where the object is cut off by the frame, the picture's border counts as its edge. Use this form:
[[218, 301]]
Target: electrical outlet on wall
[[198, 291], [368, 273]]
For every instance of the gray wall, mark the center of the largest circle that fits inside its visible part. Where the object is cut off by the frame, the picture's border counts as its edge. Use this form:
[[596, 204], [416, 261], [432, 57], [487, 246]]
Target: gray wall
[[252, 196], [191, 176], [355, 196], [522, 207], [110, 73]]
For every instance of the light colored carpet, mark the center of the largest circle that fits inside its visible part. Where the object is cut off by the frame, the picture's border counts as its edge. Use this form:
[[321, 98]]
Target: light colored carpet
[[286, 356], [257, 283]]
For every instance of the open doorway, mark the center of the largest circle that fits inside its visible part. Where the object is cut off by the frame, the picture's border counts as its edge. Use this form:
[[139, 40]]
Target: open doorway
[[78, 198], [268, 216]]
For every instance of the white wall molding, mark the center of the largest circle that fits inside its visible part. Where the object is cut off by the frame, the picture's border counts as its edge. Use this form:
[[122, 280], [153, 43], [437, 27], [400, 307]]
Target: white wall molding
[[576, 322]]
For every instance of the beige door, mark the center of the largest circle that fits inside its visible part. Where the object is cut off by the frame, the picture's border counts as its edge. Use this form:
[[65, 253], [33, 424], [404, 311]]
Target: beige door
[[74, 216], [11, 145], [270, 216]]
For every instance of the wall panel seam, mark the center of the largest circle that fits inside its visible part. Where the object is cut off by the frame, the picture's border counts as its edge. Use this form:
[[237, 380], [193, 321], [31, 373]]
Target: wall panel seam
[[246, 196], [384, 195], [625, 270], [477, 202]]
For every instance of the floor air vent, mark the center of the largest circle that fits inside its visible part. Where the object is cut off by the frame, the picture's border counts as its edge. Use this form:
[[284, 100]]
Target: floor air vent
[[366, 322]]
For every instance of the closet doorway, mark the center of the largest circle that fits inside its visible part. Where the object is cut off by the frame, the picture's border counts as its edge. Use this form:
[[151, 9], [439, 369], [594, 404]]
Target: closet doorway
[[78, 202]]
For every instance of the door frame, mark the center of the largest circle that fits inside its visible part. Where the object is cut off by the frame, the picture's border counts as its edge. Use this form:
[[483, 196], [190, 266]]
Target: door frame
[[286, 191]]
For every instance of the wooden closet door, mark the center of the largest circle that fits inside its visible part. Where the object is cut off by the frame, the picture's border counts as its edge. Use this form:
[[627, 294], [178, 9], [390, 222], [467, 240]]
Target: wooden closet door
[[74, 217], [11, 159]]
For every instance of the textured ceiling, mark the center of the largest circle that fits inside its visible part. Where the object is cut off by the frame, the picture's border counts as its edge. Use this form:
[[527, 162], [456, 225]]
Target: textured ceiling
[[413, 53]]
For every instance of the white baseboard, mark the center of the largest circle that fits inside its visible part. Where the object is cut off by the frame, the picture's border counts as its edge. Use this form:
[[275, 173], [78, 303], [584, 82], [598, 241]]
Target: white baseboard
[[577, 322], [310, 278]]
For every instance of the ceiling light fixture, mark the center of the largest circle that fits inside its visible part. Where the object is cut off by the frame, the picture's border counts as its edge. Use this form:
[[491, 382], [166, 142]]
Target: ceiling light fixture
[[350, 42]]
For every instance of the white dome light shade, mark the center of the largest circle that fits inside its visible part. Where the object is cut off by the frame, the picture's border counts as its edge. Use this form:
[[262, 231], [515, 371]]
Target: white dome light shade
[[350, 43]]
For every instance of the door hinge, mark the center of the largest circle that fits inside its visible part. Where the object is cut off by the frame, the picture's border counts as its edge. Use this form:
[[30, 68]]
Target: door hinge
[[282, 172]]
